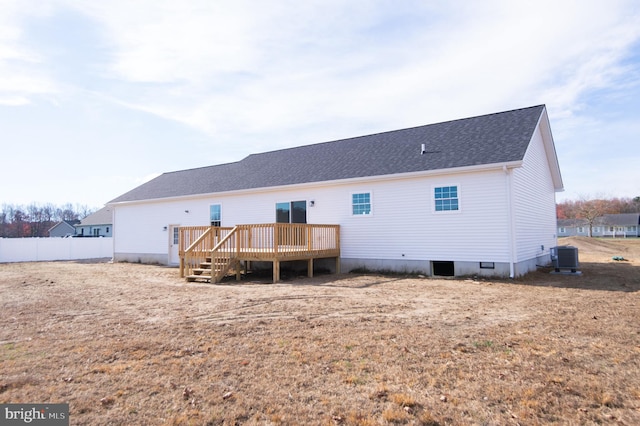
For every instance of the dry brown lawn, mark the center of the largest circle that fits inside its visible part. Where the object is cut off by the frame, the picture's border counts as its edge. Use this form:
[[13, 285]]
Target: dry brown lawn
[[129, 344]]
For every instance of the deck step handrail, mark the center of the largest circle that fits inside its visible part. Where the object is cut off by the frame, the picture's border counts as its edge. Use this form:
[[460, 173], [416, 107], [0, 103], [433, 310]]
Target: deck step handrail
[[196, 243], [222, 256], [200, 239]]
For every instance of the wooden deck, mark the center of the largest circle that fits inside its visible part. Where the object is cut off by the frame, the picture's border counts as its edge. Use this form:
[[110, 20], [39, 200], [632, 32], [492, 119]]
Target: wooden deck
[[210, 253]]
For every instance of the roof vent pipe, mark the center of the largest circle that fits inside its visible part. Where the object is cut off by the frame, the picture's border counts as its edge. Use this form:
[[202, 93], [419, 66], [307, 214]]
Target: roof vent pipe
[[423, 149]]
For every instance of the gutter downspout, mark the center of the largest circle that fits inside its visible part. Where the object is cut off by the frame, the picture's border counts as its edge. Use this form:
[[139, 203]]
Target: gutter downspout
[[511, 227]]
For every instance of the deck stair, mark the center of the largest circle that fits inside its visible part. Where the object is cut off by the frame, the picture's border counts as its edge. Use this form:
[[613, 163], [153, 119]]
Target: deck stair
[[217, 271]]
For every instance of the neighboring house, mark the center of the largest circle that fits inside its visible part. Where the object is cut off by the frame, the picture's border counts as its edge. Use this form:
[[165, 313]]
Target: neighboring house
[[609, 225], [63, 228], [98, 224], [618, 225], [573, 227], [469, 196]]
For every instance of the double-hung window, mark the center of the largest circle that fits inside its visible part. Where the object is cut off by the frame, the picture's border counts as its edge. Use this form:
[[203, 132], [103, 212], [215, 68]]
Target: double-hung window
[[446, 198], [361, 203], [215, 214]]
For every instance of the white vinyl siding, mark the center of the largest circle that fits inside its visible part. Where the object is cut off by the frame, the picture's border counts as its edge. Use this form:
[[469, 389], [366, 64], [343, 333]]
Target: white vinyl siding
[[397, 228], [534, 203], [409, 228]]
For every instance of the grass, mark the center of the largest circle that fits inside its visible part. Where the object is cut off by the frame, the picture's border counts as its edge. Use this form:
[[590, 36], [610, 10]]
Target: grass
[[133, 344]]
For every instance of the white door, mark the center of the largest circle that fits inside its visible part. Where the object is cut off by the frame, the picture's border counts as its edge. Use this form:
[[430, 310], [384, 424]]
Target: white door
[[174, 244]]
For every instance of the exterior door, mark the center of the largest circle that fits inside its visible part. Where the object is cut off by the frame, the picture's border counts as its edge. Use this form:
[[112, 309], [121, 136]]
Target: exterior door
[[174, 244], [291, 212]]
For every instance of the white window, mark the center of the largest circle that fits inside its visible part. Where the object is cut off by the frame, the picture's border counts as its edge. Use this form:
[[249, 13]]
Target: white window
[[446, 198], [215, 214], [361, 203]]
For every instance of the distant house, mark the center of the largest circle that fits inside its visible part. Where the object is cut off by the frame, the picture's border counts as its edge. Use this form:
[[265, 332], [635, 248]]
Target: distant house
[[63, 228], [610, 225], [573, 227], [469, 196], [618, 225], [98, 224]]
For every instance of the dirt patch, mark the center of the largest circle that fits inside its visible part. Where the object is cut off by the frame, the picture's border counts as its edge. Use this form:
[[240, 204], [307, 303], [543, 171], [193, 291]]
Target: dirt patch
[[135, 344]]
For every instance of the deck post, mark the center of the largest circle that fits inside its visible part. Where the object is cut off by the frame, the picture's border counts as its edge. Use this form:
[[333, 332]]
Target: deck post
[[276, 271], [310, 268]]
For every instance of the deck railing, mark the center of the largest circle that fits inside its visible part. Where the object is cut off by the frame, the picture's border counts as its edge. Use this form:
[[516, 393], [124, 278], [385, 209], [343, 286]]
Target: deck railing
[[256, 242]]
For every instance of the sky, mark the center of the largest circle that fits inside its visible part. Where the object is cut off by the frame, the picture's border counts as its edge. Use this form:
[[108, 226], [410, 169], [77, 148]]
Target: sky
[[97, 97]]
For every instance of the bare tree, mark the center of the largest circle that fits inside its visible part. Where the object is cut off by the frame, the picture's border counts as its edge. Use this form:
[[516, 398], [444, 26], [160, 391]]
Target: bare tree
[[67, 212], [83, 210], [591, 210], [19, 221], [4, 221]]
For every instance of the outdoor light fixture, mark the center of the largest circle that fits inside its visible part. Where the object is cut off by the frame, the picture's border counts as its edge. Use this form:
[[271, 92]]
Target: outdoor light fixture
[[186, 211], [312, 203]]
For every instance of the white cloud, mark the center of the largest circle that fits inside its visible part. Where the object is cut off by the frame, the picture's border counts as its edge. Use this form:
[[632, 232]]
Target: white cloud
[[21, 75], [257, 67], [251, 76]]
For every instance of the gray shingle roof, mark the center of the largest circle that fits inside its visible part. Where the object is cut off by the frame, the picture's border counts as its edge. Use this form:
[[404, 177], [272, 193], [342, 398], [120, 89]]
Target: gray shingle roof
[[622, 219], [100, 217], [489, 139], [572, 222]]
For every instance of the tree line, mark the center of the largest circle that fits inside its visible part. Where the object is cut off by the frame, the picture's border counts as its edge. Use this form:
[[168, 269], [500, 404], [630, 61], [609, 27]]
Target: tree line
[[35, 220], [588, 208]]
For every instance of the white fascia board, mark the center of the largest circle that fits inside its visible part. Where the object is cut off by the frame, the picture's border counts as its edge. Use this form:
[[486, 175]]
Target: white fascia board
[[550, 150], [378, 178]]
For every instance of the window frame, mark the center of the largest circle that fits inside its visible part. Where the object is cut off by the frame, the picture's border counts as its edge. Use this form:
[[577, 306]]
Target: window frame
[[219, 214], [458, 198], [352, 204]]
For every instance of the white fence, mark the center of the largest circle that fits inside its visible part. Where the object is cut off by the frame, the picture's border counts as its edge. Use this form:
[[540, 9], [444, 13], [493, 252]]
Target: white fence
[[45, 249]]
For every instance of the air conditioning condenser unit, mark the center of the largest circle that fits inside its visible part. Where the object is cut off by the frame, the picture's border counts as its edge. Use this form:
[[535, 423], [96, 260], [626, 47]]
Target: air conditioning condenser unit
[[565, 258]]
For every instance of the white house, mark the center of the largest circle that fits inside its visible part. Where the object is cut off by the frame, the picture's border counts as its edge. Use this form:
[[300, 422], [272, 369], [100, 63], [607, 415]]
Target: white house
[[97, 224], [469, 196]]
